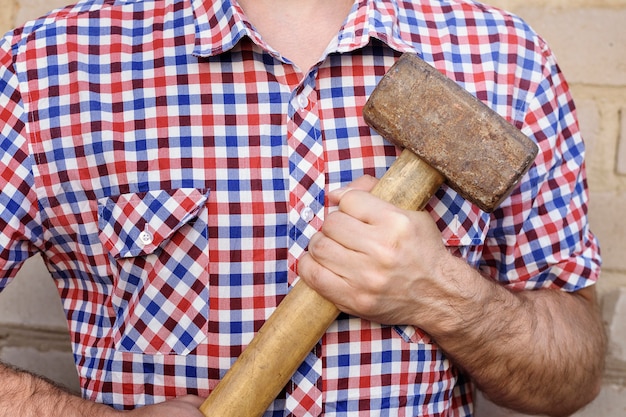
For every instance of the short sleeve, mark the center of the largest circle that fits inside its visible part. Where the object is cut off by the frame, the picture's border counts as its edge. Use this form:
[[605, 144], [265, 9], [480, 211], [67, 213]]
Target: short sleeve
[[540, 236], [19, 214]]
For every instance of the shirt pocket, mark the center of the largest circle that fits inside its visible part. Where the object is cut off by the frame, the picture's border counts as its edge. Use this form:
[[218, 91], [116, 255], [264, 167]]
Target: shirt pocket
[[157, 242], [463, 229]]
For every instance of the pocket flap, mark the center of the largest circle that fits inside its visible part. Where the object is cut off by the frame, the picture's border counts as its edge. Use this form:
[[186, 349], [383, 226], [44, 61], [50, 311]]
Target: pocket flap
[[135, 224]]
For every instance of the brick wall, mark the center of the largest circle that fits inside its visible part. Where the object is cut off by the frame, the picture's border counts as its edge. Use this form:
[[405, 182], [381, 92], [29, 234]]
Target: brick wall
[[589, 39]]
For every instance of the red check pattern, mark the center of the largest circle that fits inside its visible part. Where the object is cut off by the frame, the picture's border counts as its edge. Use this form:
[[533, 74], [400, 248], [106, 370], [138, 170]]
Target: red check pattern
[[170, 168]]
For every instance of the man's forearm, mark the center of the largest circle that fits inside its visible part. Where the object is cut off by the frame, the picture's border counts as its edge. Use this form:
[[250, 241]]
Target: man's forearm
[[534, 351], [26, 395]]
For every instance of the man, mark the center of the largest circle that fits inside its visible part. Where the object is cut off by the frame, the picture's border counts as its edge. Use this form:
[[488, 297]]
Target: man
[[174, 160]]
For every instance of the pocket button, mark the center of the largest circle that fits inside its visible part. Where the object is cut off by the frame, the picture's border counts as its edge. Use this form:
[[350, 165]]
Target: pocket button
[[145, 238]]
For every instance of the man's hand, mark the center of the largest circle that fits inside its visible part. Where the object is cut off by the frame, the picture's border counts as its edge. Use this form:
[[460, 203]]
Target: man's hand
[[186, 406], [374, 260], [384, 264], [25, 395], [539, 352]]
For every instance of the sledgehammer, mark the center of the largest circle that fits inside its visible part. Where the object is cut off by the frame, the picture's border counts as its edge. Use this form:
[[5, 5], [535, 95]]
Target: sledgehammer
[[448, 135]]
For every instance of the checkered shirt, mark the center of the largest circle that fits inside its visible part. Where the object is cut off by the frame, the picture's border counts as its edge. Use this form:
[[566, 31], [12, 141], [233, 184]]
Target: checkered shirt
[[170, 168]]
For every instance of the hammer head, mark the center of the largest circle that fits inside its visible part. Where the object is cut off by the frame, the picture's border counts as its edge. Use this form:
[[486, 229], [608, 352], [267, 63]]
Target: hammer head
[[480, 154]]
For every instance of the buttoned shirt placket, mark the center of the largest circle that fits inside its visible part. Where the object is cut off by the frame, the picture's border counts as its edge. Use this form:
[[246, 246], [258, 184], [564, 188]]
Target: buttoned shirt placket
[[306, 212], [305, 153]]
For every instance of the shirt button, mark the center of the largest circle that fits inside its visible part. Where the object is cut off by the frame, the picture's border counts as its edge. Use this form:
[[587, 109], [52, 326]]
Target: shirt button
[[145, 238], [303, 101], [307, 214]]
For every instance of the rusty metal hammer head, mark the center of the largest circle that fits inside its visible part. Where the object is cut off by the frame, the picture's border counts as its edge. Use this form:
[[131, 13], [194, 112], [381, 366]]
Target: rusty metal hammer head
[[480, 154]]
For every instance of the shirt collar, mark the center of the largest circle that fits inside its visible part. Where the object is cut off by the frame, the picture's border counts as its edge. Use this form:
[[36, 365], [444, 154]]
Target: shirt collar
[[220, 25], [372, 19]]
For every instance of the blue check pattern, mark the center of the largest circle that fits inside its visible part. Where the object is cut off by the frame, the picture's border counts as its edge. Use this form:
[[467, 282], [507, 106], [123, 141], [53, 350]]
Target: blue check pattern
[[170, 168]]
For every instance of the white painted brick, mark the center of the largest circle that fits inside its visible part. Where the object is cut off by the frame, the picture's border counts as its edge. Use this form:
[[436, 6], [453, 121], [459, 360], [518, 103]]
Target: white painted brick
[[485, 408], [6, 17], [621, 146], [611, 281], [590, 123], [32, 299], [32, 9], [606, 217], [611, 402], [55, 365], [614, 311]]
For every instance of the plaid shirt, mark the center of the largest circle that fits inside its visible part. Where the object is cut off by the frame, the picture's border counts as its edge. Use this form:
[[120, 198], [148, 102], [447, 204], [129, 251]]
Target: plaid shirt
[[171, 167]]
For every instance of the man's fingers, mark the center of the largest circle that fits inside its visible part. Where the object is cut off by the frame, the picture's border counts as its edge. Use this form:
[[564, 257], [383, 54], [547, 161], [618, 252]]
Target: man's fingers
[[364, 206], [322, 280], [346, 230], [191, 399], [364, 183], [331, 255]]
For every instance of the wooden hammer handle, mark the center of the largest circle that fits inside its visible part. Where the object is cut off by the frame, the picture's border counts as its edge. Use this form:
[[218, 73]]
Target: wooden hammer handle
[[300, 320]]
